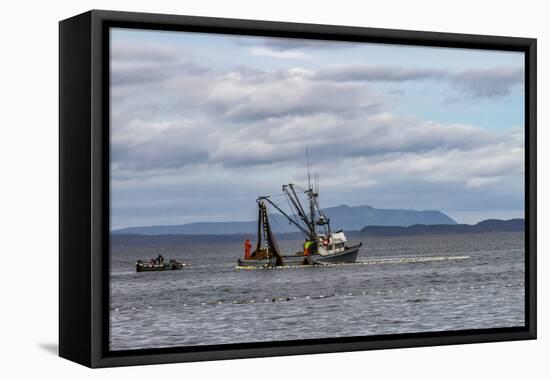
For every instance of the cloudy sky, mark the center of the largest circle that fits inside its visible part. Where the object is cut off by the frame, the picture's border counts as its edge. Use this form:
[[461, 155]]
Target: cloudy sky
[[201, 124]]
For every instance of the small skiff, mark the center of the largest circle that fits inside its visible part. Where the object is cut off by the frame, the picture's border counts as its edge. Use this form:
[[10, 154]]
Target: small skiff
[[142, 266]]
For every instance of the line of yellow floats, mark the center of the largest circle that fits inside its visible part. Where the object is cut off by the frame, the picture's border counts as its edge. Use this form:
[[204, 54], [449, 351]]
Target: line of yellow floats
[[390, 260]]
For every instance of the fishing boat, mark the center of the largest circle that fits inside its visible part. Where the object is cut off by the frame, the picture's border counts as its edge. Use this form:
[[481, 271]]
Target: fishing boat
[[142, 266], [322, 246]]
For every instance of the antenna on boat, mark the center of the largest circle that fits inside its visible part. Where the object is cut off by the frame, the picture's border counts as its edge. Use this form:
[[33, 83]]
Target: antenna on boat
[[308, 174], [316, 186]]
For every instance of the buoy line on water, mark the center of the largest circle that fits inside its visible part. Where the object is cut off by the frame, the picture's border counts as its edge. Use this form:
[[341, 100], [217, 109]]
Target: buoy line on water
[[389, 260], [374, 292]]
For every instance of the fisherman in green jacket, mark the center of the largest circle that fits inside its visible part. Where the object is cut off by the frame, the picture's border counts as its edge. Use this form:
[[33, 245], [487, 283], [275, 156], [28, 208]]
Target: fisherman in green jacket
[[308, 246]]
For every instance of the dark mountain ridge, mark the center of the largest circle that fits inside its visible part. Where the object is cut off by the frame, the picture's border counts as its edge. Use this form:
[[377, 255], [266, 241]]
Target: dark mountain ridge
[[341, 217], [489, 225]]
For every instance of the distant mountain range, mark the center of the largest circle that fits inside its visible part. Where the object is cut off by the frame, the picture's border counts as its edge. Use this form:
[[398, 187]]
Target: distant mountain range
[[489, 225], [341, 217]]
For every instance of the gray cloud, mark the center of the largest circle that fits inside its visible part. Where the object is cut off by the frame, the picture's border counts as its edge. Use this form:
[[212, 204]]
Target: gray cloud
[[198, 116], [493, 82], [276, 96], [137, 73], [292, 44], [394, 144], [240, 95], [282, 44], [186, 139], [362, 72], [124, 51], [483, 82]]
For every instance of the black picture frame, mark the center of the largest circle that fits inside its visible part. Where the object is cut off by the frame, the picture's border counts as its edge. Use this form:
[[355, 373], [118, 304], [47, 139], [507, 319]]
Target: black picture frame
[[84, 187]]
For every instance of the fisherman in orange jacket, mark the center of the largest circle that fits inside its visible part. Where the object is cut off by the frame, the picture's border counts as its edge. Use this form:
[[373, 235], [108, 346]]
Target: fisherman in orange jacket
[[247, 247]]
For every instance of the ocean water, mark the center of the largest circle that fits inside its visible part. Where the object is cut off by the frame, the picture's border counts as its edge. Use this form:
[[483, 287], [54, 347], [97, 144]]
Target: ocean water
[[401, 285]]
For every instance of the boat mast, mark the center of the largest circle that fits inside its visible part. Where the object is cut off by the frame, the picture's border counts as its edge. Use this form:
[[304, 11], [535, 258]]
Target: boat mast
[[308, 174], [311, 195], [308, 221]]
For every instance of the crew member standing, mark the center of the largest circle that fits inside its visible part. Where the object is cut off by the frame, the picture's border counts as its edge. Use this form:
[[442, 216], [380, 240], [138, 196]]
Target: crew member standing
[[247, 247], [307, 247]]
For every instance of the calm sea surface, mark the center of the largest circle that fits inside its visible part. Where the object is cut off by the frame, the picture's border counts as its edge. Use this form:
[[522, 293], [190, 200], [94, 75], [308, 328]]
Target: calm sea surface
[[459, 282]]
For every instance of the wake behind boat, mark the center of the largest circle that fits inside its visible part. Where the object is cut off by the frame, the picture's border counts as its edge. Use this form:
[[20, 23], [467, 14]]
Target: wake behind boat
[[321, 246]]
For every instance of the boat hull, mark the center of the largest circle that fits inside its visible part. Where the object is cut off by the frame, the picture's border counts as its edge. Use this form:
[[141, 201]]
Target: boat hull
[[348, 256], [148, 267]]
